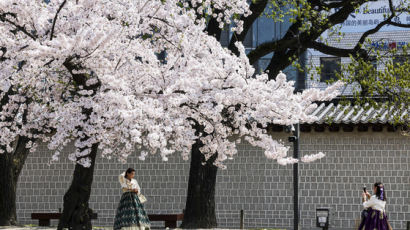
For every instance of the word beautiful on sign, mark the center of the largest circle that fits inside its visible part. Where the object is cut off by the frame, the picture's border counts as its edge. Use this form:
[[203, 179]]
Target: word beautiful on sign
[[388, 45], [368, 15]]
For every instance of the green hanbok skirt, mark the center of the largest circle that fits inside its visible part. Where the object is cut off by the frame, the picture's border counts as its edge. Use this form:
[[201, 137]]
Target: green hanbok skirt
[[130, 213]]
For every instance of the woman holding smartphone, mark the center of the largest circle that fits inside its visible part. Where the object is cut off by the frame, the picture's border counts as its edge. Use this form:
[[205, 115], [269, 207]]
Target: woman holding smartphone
[[130, 213], [375, 205]]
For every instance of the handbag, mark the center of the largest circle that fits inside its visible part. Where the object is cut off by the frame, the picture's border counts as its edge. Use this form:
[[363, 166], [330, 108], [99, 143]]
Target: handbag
[[142, 198]]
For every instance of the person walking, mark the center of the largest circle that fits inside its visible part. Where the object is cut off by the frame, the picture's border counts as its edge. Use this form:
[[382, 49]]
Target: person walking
[[375, 205], [130, 214]]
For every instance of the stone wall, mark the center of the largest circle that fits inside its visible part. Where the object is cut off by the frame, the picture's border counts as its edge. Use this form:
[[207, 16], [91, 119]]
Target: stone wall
[[262, 188]]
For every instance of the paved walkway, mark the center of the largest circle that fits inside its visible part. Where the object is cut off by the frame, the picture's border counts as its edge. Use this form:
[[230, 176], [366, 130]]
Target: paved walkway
[[99, 228], [45, 228], [94, 228]]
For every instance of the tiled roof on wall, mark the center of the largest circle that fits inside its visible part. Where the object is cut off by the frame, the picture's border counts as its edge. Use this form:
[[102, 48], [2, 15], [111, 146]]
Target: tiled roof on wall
[[335, 113]]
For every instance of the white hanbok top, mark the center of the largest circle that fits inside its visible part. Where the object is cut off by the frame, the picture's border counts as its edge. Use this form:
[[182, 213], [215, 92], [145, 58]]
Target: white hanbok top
[[128, 185], [375, 203]]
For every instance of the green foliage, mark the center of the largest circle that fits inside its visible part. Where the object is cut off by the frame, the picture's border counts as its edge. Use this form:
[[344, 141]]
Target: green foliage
[[381, 81], [309, 18]]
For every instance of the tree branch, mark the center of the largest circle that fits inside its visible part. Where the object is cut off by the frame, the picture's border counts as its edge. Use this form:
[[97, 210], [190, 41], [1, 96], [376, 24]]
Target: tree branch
[[277, 64], [55, 19], [329, 4], [80, 79], [372, 31], [20, 153], [292, 39], [269, 47], [18, 27], [213, 27], [334, 19], [399, 24], [335, 51], [377, 28], [357, 49], [257, 7], [280, 61]]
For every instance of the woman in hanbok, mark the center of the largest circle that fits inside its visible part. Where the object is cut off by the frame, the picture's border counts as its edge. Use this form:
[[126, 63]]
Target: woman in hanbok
[[130, 213], [376, 218]]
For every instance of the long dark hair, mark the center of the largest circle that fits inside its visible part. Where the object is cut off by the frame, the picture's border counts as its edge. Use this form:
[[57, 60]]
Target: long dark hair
[[129, 170], [380, 191]]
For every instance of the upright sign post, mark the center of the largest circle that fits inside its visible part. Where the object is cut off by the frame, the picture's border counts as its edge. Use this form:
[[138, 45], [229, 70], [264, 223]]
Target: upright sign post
[[295, 140]]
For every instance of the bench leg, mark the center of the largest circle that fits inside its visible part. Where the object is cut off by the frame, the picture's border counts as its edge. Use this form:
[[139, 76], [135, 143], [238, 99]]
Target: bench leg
[[170, 224], [44, 222]]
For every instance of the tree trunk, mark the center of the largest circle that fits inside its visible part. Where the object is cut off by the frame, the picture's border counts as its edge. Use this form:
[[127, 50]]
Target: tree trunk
[[8, 186], [11, 165], [76, 213], [200, 203]]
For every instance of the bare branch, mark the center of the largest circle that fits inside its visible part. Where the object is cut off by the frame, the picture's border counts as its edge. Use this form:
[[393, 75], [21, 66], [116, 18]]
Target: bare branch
[[3, 18], [55, 19], [293, 39], [357, 49], [335, 51], [377, 28], [399, 24], [332, 5], [269, 47]]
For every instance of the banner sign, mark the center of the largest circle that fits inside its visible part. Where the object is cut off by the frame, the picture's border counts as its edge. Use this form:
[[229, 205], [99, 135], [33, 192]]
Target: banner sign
[[371, 14], [388, 45]]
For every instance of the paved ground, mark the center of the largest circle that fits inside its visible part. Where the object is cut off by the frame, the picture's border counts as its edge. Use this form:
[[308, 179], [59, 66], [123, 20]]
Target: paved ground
[[45, 228], [110, 228], [42, 228], [28, 227], [94, 228]]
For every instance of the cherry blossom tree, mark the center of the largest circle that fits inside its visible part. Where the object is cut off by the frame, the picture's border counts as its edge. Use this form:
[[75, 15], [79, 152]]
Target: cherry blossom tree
[[89, 73]]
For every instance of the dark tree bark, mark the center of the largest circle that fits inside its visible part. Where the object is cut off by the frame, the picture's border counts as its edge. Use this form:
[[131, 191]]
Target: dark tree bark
[[8, 185], [200, 204], [76, 213], [257, 7], [11, 165], [213, 28], [295, 42]]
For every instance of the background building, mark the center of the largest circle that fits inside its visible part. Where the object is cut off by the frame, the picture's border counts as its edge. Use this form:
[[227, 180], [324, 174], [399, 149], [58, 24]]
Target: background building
[[266, 30], [366, 18]]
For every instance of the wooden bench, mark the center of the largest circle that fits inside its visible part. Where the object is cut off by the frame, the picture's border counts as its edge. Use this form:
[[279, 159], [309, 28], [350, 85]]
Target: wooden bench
[[44, 218], [170, 219]]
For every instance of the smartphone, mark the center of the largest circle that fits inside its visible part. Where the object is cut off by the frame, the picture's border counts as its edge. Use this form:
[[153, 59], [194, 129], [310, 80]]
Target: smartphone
[[364, 189]]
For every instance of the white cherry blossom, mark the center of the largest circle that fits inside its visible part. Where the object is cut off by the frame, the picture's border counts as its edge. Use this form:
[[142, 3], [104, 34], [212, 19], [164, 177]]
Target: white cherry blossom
[[64, 57]]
